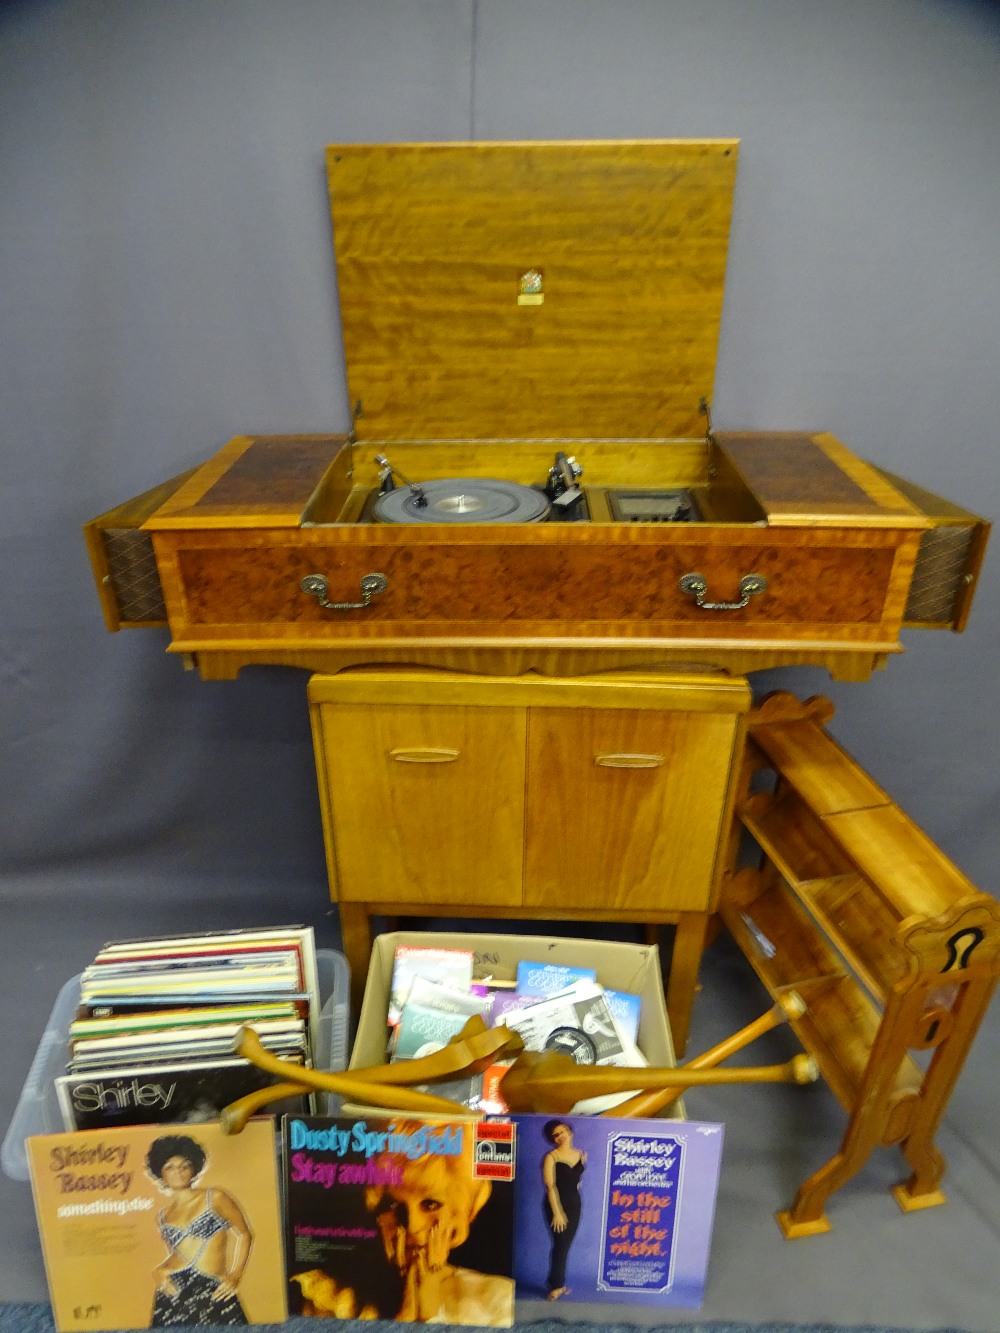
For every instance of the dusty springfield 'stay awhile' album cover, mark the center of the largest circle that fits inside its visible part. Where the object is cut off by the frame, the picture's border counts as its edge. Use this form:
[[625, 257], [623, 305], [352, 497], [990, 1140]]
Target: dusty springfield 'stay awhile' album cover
[[153, 1226], [400, 1218]]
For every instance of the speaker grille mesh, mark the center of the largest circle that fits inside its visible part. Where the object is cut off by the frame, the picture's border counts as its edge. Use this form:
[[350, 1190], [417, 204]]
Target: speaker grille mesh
[[133, 573], [937, 578]]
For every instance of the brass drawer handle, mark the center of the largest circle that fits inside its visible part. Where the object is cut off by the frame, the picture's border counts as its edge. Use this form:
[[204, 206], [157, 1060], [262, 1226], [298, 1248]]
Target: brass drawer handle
[[424, 754], [316, 585], [696, 586], [629, 760]]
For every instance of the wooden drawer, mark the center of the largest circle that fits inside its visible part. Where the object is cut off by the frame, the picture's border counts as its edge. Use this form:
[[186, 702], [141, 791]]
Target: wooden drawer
[[123, 560], [844, 587]]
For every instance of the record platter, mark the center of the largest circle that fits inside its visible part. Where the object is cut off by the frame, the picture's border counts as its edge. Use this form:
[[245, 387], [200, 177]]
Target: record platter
[[462, 500]]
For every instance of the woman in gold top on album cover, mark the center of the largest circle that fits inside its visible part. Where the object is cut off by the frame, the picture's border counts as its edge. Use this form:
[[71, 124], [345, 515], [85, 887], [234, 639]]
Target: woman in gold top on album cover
[[208, 1240]]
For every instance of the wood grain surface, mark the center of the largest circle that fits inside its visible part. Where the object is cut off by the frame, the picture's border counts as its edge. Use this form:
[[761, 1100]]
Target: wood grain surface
[[431, 242]]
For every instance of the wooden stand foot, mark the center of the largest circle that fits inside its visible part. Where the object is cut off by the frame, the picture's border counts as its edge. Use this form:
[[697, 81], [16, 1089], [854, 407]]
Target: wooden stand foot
[[913, 1203], [793, 1230]]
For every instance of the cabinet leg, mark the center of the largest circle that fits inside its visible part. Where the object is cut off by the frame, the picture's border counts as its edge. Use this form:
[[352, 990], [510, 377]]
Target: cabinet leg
[[685, 961], [356, 934]]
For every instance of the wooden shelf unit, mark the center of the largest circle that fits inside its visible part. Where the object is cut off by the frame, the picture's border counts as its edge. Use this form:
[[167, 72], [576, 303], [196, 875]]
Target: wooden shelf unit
[[892, 948]]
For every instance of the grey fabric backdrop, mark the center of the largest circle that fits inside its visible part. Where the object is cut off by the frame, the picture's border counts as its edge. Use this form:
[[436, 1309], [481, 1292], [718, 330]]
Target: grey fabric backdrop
[[167, 281]]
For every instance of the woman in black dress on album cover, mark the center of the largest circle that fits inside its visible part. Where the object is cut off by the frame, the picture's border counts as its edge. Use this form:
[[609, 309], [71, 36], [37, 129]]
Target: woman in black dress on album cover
[[207, 1236], [562, 1168]]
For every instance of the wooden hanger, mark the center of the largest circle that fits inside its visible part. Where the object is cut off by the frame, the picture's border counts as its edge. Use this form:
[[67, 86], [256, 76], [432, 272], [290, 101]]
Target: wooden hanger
[[789, 1005], [551, 1082], [388, 1086]]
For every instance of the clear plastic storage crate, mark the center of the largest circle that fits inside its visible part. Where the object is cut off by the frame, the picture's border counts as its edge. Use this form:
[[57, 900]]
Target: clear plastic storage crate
[[37, 1110]]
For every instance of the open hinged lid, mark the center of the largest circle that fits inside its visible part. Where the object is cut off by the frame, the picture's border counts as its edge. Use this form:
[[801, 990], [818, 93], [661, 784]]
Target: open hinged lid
[[531, 290]]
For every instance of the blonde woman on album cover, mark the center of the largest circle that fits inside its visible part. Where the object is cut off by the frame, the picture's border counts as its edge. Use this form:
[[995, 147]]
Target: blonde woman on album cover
[[420, 1221], [208, 1240]]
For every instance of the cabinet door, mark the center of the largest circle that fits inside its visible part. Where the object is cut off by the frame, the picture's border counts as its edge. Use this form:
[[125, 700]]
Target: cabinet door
[[426, 802], [625, 807]]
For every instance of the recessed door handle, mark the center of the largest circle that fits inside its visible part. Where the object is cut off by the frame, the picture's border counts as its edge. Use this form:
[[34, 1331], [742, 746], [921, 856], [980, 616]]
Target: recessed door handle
[[424, 754], [629, 760]]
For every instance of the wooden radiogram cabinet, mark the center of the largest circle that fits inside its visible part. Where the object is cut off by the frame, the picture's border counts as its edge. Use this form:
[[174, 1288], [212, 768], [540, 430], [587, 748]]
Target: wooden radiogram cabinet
[[504, 305]]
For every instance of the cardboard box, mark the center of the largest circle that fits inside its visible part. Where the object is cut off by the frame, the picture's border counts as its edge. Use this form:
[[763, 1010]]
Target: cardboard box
[[621, 967]]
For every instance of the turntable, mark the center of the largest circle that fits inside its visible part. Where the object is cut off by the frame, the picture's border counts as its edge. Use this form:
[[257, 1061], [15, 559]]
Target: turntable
[[463, 500], [460, 499], [530, 335], [488, 500]]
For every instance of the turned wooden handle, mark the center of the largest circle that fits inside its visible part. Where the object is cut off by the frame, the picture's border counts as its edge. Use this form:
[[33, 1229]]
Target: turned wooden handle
[[424, 754], [469, 1052], [787, 1006], [629, 760], [553, 1083], [389, 1096]]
